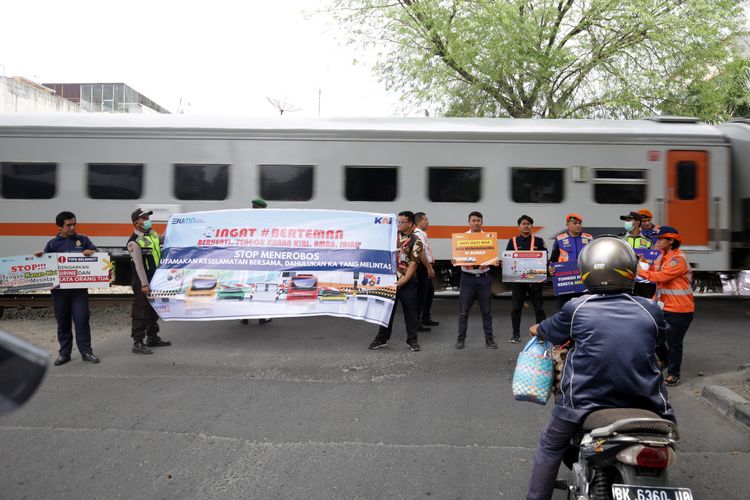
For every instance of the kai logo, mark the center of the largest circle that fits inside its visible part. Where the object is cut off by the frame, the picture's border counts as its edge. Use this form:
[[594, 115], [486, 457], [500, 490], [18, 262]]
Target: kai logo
[[383, 220]]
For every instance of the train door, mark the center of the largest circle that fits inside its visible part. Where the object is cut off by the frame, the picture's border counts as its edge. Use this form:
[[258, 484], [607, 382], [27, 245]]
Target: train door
[[687, 196]]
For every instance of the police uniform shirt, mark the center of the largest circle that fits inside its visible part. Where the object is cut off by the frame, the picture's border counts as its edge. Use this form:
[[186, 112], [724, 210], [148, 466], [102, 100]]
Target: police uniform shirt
[[75, 244]]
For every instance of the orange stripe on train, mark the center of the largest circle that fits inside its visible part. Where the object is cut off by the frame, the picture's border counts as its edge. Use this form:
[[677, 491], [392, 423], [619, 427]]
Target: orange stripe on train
[[101, 229], [92, 229]]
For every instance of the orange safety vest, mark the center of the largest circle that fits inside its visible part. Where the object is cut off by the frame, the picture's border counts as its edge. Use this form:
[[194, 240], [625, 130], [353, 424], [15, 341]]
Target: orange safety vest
[[674, 281]]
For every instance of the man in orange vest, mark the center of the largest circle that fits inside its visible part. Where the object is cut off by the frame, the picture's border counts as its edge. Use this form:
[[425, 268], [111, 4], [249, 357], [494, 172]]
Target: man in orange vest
[[525, 241], [673, 277]]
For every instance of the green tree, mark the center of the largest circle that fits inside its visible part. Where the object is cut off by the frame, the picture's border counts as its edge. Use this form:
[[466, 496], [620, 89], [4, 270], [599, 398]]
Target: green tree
[[717, 98], [543, 58]]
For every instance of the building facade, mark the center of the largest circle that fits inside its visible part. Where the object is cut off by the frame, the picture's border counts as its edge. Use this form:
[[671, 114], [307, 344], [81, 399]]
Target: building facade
[[106, 97]]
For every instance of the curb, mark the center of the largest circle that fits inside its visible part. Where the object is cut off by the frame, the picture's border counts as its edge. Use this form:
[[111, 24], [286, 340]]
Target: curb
[[729, 403]]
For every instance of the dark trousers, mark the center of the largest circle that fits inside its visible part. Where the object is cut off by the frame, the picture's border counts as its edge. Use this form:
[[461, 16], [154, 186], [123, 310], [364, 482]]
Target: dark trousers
[[425, 293], [473, 288], [72, 306], [672, 351], [520, 291], [407, 295], [142, 315], [553, 443]]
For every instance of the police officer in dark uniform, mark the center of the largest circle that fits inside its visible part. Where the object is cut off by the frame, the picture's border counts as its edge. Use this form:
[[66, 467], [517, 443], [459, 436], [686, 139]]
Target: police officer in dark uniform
[[71, 303], [144, 247]]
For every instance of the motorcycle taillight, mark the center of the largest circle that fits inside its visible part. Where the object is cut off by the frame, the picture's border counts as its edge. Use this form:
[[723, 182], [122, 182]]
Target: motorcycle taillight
[[655, 458]]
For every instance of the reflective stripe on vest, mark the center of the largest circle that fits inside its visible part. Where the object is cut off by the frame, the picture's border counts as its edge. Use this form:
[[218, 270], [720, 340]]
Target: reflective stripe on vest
[[515, 244], [565, 254], [150, 247], [638, 241], [667, 291]]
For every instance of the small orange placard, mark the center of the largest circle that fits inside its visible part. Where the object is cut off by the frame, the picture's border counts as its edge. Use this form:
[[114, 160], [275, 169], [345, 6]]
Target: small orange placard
[[474, 249]]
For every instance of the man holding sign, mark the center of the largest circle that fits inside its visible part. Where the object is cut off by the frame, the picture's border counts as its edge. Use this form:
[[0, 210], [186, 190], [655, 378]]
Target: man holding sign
[[566, 249], [71, 305], [525, 241], [475, 251]]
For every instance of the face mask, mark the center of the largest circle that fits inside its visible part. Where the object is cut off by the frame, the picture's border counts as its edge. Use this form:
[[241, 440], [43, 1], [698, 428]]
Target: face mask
[[628, 225], [147, 224]]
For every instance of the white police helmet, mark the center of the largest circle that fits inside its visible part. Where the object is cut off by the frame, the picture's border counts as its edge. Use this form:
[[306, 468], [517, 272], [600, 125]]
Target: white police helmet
[[608, 265]]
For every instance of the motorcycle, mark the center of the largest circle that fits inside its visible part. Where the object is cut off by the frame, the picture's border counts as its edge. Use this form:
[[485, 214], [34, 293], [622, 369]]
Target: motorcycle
[[624, 453]]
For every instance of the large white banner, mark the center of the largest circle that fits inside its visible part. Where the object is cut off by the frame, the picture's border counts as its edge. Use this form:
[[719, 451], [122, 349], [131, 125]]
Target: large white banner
[[263, 263]]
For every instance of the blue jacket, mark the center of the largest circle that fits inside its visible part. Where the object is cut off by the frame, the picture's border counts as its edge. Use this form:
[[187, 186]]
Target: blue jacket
[[612, 363]]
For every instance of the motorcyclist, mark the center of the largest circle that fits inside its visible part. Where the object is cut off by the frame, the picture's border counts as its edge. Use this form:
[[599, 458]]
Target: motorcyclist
[[613, 359]]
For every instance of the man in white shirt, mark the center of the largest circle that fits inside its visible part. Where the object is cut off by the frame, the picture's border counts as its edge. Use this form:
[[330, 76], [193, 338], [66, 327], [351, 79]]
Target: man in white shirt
[[475, 285], [425, 275]]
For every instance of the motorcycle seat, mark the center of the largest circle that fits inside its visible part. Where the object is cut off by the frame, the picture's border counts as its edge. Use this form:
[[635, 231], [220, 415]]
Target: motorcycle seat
[[602, 423]]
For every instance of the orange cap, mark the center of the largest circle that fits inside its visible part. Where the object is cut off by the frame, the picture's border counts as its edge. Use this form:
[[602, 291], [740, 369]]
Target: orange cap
[[646, 213], [573, 215]]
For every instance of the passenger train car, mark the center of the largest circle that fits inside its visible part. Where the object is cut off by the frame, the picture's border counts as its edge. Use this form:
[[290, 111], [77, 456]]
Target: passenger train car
[[693, 176]]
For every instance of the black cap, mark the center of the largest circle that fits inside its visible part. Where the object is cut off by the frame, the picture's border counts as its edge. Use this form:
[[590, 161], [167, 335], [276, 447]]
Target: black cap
[[632, 215], [138, 213]]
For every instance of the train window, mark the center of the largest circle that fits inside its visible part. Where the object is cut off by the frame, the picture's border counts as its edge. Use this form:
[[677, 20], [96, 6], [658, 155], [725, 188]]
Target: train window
[[371, 183], [686, 180], [286, 182], [619, 186], [454, 184], [115, 181], [537, 185], [30, 181], [200, 181]]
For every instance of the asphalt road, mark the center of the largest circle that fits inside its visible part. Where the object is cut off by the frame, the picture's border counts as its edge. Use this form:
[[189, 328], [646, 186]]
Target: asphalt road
[[300, 408]]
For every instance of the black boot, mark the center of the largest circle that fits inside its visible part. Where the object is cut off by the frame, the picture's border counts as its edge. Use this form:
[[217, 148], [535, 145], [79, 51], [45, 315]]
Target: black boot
[[156, 341], [139, 348]]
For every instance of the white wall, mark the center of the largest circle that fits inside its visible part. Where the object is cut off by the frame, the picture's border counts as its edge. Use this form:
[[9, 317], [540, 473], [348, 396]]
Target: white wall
[[19, 97]]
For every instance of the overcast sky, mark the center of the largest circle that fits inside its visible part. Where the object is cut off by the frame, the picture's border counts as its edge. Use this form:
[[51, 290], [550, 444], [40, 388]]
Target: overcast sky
[[221, 56]]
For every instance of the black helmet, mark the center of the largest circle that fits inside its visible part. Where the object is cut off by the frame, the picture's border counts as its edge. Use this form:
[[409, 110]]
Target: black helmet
[[608, 265]]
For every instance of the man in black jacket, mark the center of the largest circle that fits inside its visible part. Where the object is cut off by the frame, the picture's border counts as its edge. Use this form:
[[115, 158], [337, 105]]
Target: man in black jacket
[[525, 241]]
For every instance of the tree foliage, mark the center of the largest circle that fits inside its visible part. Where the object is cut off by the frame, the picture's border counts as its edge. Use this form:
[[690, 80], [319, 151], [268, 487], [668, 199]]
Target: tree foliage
[[717, 98], [543, 58]]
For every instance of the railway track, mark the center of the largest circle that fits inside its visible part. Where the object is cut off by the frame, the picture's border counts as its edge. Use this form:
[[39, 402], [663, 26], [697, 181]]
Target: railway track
[[45, 299]]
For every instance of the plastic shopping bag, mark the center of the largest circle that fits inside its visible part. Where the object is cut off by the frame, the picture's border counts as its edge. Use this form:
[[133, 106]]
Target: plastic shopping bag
[[535, 372]]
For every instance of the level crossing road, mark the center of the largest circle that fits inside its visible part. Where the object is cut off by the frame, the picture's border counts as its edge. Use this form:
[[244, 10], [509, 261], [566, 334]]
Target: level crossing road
[[299, 408]]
